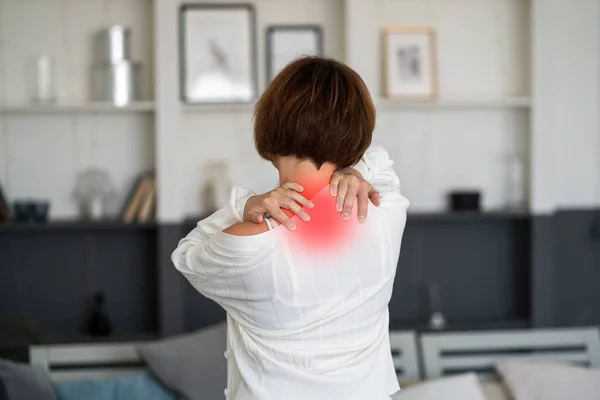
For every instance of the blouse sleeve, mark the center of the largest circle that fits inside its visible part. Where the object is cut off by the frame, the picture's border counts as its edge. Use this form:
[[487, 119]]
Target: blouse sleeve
[[211, 260], [376, 168]]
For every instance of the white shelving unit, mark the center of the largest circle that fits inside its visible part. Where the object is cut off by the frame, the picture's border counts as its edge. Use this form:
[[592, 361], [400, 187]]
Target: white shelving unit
[[435, 148], [458, 102], [217, 108], [88, 108]]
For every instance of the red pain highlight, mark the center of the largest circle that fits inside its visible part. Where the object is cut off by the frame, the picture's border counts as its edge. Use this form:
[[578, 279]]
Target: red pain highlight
[[326, 231]]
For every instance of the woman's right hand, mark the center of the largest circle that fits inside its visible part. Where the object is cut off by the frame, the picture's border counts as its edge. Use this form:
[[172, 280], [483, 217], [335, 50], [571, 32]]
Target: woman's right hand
[[286, 196]]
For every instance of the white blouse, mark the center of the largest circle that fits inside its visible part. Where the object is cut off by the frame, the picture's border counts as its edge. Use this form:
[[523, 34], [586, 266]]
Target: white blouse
[[307, 314]]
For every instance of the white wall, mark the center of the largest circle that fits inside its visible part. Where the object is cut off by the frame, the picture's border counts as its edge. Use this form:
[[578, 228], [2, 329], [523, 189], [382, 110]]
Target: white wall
[[483, 51], [227, 134], [566, 130], [40, 155]]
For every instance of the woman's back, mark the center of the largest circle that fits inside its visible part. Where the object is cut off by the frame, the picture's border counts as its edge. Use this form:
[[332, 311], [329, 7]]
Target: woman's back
[[307, 309]]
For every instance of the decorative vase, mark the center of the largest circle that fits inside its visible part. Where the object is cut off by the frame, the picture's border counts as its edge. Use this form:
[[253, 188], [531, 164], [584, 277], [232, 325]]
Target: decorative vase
[[99, 322], [218, 186], [515, 185]]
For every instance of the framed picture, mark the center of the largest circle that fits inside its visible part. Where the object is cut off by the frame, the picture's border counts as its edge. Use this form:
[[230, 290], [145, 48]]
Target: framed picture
[[410, 63], [288, 42], [217, 50]]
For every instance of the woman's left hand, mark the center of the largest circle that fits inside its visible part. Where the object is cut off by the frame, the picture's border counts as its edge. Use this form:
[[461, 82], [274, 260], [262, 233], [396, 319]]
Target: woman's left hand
[[348, 184]]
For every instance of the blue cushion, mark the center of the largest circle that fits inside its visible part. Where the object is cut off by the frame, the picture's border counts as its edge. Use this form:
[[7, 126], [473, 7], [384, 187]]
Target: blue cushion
[[125, 387]]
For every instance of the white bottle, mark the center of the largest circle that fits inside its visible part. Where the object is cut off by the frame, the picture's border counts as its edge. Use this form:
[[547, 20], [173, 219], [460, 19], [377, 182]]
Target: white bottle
[[218, 185], [44, 91]]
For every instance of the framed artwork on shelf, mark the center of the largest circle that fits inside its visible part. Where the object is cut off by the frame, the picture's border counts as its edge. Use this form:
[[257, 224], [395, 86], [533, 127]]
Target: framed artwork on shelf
[[288, 42], [217, 51], [409, 63]]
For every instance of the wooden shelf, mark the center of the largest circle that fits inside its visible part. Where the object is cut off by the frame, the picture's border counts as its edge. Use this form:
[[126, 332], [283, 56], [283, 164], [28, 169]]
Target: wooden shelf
[[456, 102], [218, 108], [467, 216], [73, 226], [444, 102], [84, 108]]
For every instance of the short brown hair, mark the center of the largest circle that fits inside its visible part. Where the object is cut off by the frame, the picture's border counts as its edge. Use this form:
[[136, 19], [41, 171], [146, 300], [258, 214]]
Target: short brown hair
[[317, 109]]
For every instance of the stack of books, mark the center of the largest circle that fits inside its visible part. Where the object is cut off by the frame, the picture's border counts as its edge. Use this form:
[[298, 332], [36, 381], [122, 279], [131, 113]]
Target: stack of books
[[141, 203], [4, 207]]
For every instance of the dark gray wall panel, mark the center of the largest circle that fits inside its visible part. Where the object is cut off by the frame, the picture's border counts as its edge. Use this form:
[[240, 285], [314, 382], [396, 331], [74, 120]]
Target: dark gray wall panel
[[200, 312], [49, 278], [577, 271], [480, 267], [544, 250], [172, 286], [190, 309]]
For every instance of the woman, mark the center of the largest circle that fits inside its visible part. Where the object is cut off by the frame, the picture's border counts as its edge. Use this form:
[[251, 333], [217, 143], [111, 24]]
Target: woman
[[307, 306]]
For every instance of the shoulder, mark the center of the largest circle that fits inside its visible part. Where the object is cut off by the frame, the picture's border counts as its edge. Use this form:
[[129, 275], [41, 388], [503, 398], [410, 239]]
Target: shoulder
[[246, 229]]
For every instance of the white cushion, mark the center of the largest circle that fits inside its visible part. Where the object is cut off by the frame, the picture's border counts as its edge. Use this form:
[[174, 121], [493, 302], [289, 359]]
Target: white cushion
[[533, 381], [495, 390], [463, 387]]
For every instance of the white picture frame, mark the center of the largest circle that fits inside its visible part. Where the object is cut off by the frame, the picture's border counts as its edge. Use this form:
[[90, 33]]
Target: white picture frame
[[409, 63], [217, 50], [288, 42]]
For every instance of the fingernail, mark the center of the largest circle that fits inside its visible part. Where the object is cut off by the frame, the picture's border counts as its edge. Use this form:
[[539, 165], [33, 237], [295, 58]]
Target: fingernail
[[345, 215], [292, 226], [361, 218], [306, 217], [339, 207], [333, 192], [311, 204], [300, 188]]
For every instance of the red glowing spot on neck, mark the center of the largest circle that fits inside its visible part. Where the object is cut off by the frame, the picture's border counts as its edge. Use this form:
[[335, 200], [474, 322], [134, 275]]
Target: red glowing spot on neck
[[326, 231]]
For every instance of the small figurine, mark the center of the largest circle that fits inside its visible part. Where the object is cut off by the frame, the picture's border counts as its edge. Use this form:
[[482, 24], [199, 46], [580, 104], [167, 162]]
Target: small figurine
[[98, 322], [94, 190]]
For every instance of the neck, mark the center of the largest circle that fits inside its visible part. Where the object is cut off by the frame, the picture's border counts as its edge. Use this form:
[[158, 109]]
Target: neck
[[305, 173]]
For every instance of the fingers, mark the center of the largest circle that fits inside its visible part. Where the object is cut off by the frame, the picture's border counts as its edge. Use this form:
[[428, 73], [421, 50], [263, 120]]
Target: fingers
[[298, 198], [341, 194], [349, 201], [363, 205], [374, 196], [333, 185], [293, 186], [256, 218], [294, 207], [283, 219]]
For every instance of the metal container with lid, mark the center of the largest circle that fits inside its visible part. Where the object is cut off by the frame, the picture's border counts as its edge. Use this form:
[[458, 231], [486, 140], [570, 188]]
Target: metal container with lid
[[113, 45], [116, 76]]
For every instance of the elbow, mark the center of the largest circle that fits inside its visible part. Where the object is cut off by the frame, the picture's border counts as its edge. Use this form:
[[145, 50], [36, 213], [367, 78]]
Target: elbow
[[178, 257]]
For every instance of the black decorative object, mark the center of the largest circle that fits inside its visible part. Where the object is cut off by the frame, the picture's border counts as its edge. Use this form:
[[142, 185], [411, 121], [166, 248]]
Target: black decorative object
[[465, 201], [31, 210], [99, 322]]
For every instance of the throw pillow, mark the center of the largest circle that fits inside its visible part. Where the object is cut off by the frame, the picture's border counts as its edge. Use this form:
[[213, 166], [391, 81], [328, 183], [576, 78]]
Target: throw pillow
[[463, 387], [124, 387], [192, 365], [533, 381], [25, 382]]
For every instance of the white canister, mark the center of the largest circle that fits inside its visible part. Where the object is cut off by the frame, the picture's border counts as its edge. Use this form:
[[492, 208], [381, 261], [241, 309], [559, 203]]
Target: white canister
[[117, 83], [44, 89]]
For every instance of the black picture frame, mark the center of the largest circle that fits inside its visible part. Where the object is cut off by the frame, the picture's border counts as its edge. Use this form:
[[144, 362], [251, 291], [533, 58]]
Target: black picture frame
[[273, 29], [183, 73]]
